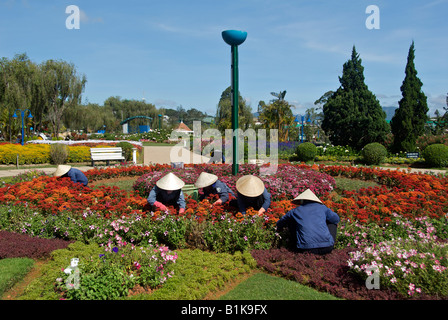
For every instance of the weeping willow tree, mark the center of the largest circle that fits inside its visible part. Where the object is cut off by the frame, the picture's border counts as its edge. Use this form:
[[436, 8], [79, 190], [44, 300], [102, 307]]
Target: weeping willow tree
[[16, 93]]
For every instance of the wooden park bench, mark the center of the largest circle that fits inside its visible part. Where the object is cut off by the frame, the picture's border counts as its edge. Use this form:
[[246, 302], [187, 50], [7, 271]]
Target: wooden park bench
[[106, 154]]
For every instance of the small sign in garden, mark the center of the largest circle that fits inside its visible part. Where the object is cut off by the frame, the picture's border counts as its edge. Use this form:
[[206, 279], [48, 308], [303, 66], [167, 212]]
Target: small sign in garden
[[413, 155]]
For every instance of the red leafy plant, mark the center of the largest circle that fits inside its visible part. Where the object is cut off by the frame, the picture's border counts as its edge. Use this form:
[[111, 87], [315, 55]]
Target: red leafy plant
[[16, 245]]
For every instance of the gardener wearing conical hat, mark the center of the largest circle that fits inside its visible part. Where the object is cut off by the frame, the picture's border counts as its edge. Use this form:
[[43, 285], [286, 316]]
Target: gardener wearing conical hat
[[251, 193], [312, 225], [76, 175], [168, 192], [212, 185]]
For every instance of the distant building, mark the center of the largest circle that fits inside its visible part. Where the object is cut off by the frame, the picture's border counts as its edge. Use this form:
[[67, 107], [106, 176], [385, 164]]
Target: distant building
[[182, 127]]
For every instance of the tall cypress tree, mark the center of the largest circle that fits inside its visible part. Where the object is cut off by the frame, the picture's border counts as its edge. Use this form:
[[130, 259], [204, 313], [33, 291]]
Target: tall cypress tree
[[353, 115], [408, 122]]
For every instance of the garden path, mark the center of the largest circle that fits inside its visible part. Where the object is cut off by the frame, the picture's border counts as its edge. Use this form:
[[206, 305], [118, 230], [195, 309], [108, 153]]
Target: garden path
[[166, 155]]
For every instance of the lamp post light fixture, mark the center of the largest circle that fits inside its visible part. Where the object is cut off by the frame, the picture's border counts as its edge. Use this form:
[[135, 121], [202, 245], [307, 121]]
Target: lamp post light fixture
[[307, 120], [22, 113], [234, 38]]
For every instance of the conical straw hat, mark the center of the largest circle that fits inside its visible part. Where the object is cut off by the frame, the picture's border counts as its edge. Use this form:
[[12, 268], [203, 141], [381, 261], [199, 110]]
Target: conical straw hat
[[205, 179], [306, 195], [170, 182], [61, 170], [250, 186]]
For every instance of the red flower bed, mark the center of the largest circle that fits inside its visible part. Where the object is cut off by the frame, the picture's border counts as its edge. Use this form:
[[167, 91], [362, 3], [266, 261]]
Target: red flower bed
[[53, 195], [408, 194], [205, 211]]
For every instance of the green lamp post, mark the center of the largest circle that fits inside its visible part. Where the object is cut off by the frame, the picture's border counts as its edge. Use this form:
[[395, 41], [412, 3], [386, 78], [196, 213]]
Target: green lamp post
[[234, 38]]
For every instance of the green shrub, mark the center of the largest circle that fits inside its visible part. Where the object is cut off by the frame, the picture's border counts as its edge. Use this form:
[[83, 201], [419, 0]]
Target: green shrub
[[436, 155], [374, 153], [79, 154], [58, 153], [306, 151], [127, 149]]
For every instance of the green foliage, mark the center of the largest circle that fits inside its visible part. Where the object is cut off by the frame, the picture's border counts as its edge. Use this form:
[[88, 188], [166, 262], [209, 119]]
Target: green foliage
[[43, 286], [353, 115], [111, 274], [409, 120], [12, 270], [127, 149], [436, 155], [198, 273], [278, 115], [374, 153], [58, 153], [224, 112], [426, 140], [229, 235], [306, 151]]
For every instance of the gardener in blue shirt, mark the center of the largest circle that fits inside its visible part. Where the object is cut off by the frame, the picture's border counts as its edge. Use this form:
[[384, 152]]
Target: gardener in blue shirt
[[251, 193], [212, 185], [76, 175], [168, 192], [312, 225]]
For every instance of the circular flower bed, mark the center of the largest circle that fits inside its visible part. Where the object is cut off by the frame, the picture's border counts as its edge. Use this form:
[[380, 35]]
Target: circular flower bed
[[375, 221], [287, 183]]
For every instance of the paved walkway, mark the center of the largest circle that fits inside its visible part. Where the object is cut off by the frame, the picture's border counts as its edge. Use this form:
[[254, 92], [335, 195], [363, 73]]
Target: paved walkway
[[168, 154]]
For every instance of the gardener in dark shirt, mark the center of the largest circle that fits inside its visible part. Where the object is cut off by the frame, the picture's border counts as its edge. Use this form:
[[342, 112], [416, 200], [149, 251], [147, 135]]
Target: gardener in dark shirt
[[212, 185], [76, 175], [312, 225], [251, 193], [168, 192]]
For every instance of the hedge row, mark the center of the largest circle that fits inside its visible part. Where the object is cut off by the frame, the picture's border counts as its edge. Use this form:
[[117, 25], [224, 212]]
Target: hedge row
[[39, 153]]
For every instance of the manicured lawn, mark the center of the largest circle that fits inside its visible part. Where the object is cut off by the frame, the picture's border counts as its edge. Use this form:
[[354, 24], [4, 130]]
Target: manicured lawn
[[262, 286], [12, 270]]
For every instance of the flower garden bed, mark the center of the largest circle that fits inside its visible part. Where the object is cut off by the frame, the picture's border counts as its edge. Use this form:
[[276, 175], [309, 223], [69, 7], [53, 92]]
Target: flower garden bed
[[405, 206]]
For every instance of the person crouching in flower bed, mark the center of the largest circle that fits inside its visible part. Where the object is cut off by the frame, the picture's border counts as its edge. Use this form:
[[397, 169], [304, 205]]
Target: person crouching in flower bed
[[312, 225], [76, 175], [251, 193], [212, 185], [168, 192]]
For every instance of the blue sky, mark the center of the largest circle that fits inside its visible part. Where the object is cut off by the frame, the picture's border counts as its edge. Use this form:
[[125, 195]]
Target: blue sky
[[171, 52]]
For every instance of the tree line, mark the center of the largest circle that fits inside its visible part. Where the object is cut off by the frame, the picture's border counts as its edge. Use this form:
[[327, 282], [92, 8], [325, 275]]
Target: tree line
[[351, 115], [49, 95]]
